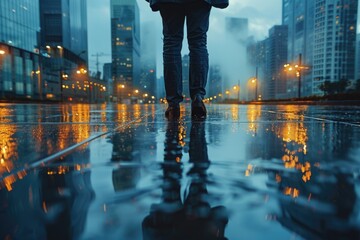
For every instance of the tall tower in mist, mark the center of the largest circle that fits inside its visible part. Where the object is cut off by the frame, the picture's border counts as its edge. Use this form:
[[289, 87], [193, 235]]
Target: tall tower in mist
[[335, 41], [277, 57], [148, 83], [125, 47], [238, 28]]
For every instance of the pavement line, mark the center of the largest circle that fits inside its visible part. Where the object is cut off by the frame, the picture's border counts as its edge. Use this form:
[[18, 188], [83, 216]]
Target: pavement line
[[319, 119]]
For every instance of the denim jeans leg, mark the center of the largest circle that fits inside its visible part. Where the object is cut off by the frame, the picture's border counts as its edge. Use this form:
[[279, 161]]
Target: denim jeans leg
[[173, 18], [197, 22]]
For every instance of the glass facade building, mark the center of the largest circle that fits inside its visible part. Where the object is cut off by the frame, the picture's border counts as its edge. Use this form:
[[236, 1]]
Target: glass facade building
[[324, 33], [64, 23], [64, 42], [125, 47], [19, 23], [19, 43], [335, 41], [298, 15]]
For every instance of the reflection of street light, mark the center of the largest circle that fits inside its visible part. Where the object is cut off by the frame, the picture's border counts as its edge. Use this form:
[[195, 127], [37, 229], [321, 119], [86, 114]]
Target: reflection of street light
[[297, 68]]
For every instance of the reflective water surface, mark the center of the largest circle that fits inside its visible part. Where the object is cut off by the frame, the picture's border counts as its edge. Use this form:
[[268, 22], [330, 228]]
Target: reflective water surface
[[125, 172]]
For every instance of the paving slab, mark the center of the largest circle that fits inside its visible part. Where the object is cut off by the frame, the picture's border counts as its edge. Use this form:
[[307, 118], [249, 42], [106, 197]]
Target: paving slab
[[125, 172]]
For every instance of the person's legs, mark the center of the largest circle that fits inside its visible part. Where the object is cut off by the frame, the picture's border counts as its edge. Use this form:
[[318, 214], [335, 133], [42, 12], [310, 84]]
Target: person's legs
[[197, 22], [173, 18]]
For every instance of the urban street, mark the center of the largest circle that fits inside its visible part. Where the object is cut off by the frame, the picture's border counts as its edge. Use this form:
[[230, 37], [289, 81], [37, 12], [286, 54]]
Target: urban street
[[123, 171]]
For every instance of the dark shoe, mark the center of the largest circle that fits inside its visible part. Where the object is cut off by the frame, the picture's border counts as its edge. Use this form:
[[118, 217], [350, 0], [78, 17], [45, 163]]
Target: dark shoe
[[198, 109], [172, 112]]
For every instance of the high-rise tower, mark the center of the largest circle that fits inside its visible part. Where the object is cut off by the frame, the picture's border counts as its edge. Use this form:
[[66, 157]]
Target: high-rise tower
[[19, 59], [125, 47]]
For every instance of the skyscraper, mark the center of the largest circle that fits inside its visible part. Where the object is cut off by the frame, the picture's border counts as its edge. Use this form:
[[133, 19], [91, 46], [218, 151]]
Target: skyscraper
[[64, 23], [335, 41], [298, 15], [125, 47], [238, 28], [357, 67], [323, 32], [65, 45], [257, 58], [19, 59], [148, 83], [275, 81], [215, 81]]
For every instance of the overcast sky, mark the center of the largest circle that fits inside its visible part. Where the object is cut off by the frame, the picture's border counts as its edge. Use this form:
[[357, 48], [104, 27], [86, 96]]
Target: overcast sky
[[261, 14]]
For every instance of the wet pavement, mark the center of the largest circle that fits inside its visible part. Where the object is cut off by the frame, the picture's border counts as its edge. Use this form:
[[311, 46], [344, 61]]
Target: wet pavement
[[125, 172]]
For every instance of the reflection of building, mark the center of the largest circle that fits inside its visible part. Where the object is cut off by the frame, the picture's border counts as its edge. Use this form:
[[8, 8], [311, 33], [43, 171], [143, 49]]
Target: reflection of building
[[49, 202], [64, 44], [19, 60], [125, 45]]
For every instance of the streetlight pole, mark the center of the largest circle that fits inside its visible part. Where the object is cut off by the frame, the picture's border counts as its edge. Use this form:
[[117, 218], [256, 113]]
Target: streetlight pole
[[299, 76], [256, 83], [2, 54], [238, 91]]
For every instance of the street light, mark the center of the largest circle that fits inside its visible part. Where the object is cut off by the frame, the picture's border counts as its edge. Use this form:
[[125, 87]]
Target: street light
[[297, 68], [254, 81], [2, 53], [237, 89], [227, 92]]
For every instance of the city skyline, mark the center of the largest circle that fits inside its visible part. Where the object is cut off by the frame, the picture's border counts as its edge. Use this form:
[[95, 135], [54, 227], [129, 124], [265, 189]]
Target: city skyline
[[257, 11], [99, 27]]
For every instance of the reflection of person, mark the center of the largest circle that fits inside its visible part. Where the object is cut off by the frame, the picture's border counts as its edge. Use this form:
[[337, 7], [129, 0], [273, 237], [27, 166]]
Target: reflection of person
[[66, 196], [193, 218], [174, 13]]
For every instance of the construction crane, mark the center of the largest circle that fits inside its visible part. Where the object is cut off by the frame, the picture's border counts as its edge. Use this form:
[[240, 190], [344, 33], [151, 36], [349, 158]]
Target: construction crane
[[97, 55]]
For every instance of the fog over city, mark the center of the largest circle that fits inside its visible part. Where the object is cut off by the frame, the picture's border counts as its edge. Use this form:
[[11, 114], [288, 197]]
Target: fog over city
[[223, 48]]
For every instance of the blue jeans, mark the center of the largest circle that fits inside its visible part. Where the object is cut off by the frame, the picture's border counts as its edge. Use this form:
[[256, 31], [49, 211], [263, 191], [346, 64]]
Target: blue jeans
[[197, 23]]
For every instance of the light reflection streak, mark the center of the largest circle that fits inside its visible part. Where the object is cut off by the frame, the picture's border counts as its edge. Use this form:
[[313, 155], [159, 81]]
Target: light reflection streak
[[8, 147], [294, 136], [253, 114]]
